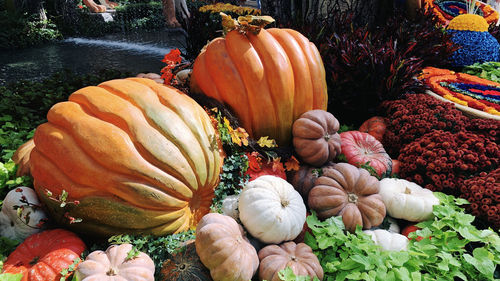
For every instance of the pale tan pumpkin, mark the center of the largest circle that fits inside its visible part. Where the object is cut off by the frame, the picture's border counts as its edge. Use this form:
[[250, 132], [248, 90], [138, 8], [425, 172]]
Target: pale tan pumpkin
[[224, 249], [113, 265], [299, 257], [315, 137], [349, 192]]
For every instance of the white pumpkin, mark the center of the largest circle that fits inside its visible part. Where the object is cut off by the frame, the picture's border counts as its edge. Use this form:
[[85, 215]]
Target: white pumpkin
[[393, 226], [388, 241], [28, 221], [407, 200], [113, 265], [271, 210], [230, 206]]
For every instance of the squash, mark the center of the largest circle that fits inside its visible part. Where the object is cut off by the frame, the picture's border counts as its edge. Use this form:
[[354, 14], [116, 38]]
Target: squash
[[388, 241], [315, 137], [303, 179], [224, 249], [360, 148], [114, 265], [271, 210], [43, 256], [29, 221], [350, 192], [375, 126], [140, 157], [185, 265], [22, 157], [268, 77], [230, 206], [299, 257], [396, 166], [407, 200]]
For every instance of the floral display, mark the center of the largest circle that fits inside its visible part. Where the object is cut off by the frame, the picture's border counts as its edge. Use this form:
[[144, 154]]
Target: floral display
[[483, 192], [415, 115], [446, 10], [470, 32], [488, 128], [442, 161], [211, 170], [464, 89]]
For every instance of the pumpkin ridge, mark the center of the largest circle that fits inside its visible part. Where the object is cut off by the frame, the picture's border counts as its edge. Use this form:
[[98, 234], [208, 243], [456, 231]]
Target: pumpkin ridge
[[276, 67], [157, 115], [166, 132], [254, 82], [49, 170], [199, 67], [137, 137], [94, 165], [204, 135], [301, 72], [218, 61], [96, 133], [310, 51]]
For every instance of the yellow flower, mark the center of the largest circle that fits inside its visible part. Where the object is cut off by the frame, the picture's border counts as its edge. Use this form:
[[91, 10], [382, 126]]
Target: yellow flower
[[228, 8], [469, 22]]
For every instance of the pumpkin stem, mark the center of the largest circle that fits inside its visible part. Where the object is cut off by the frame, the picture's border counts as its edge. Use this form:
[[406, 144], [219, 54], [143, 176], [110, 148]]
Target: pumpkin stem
[[352, 198], [111, 272], [326, 137], [293, 258], [284, 203], [245, 24], [407, 190]]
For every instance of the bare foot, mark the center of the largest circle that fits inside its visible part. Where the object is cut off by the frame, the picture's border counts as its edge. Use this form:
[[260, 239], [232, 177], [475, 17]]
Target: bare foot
[[173, 23]]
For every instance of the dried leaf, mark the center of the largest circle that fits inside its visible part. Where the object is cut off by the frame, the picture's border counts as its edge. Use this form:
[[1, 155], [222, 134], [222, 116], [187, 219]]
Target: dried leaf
[[266, 142]]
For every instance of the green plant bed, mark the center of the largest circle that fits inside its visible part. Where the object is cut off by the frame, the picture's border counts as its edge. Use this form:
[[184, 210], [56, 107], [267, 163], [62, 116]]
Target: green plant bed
[[21, 30]]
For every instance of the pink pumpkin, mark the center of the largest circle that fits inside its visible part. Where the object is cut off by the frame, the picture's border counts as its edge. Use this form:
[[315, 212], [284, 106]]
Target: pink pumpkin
[[360, 148]]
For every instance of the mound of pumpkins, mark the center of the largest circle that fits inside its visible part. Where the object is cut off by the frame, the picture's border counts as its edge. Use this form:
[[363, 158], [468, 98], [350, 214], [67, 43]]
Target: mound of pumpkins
[[134, 156]]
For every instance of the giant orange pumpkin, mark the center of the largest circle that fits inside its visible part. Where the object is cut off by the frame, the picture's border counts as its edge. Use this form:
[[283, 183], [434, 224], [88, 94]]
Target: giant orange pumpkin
[[268, 77], [138, 156]]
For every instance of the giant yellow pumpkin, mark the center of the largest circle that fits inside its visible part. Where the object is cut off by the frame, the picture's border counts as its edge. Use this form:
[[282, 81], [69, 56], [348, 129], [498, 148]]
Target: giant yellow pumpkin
[[138, 156], [269, 77]]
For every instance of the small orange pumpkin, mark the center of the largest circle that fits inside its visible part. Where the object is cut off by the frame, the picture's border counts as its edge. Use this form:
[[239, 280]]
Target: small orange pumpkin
[[374, 126], [43, 256]]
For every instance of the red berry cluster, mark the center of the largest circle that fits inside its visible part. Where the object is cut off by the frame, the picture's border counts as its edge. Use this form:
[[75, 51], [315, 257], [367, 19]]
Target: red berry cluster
[[416, 115], [488, 128], [483, 192], [442, 161]]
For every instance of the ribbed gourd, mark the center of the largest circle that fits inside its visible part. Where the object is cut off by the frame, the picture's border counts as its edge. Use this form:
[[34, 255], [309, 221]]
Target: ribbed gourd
[[138, 157], [268, 77]]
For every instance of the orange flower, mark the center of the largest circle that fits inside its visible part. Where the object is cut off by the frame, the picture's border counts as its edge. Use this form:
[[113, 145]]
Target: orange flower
[[292, 164]]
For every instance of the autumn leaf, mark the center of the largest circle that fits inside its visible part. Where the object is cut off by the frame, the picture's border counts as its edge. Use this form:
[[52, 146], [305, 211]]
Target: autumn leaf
[[277, 165], [266, 142], [292, 164], [173, 57]]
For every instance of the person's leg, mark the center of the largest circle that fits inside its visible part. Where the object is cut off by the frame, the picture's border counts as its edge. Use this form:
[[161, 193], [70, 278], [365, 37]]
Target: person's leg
[[169, 13]]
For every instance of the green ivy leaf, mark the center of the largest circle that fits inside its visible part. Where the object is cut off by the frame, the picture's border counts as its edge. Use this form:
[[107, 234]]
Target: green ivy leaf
[[10, 277]]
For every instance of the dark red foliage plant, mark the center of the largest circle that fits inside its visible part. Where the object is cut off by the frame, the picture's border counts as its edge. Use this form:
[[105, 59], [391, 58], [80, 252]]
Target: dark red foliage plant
[[443, 161], [416, 115], [366, 66]]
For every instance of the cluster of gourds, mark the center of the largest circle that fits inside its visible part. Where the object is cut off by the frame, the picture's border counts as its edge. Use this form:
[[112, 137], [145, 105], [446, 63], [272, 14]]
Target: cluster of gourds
[[133, 156]]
